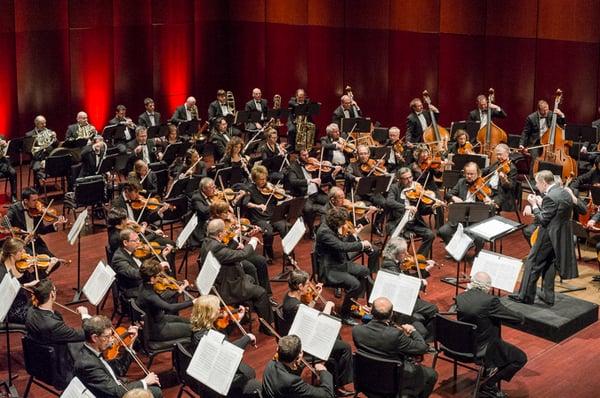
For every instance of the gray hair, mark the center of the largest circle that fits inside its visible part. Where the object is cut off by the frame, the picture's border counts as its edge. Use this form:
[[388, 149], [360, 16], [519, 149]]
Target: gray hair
[[393, 247], [205, 181], [140, 129], [331, 128], [480, 281], [545, 176], [215, 227]]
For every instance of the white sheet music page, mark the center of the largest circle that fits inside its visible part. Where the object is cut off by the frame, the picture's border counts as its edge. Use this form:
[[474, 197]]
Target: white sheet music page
[[291, 239], [402, 290], [459, 244], [316, 330], [215, 362], [9, 288], [503, 270], [491, 228], [208, 274], [98, 284], [187, 231], [77, 227], [76, 389]]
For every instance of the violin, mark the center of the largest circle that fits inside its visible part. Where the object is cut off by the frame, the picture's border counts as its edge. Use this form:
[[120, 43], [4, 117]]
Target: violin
[[465, 149], [348, 229], [409, 263], [372, 167], [50, 214], [359, 208], [224, 319], [363, 311], [125, 339], [42, 261], [232, 227], [430, 162], [480, 189], [143, 251], [227, 194], [313, 164], [273, 190], [398, 147], [417, 193], [504, 167], [165, 282], [151, 204], [347, 146]]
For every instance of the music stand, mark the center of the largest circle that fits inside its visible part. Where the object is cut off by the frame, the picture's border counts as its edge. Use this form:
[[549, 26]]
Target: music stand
[[188, 128], [497, 235], [192, 185], [75, 233], [556, 169], [460, 160], [160, 130], [380, 134], [112, 132], [107, 164], [362, 124], [288, 210], [178, 188], [450, 178], [11, 389], [274, 163], [471, 127], [373, 185], [172, 152], [379, 152], [277, 114]]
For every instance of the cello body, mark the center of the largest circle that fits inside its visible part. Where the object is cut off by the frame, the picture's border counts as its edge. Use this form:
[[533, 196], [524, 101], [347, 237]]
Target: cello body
[[435, 135], [490, 135]]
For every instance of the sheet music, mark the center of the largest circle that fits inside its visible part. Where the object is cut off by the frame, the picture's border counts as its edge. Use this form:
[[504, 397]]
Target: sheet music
[[208, 274], [77, 227], [76, 389], [390, 182], [400, 227], [98, 284], [187, 231], [491, 228], [503, 270], [402, 290], [459, 244], [215, 362], [291, 239], [9, 288], [316, 330]]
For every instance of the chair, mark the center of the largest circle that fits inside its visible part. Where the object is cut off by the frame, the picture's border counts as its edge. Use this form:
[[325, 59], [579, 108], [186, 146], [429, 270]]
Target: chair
[[151, 348], [41, 363], [189, 385], [374, 376], [456, 340]]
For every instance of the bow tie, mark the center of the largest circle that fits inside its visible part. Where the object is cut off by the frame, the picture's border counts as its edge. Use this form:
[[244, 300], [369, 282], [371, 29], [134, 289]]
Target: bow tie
[[419, 114], [151, 114]]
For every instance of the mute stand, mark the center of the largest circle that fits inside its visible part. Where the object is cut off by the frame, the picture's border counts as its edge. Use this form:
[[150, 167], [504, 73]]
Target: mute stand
[[75, 233], [287, 210]]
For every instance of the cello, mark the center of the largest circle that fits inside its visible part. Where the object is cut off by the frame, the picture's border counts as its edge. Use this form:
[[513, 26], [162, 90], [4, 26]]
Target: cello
[[556, 148], [490, 135], [435, 135]]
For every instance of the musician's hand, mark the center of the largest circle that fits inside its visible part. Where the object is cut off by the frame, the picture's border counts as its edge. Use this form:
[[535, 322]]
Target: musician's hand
[[138, 149], [319, 287], [240, 246], [412, 209], [456, 199], [494, 107], [487, 200], [583, 150], [82, 310], [424, 282], [408, 328], [165, 265], [31, 284], [143, 227], [241, 312], [152, 379], [559, 112], [183, 286], [160, 232], [527, 211], [366, 244], [319, 367], [356, 179], [168, 249], [163, 209], [59, 221], [430, 265], [359, 228], [159, 155], [316, 181], [133, 331], [262, 207], [573, 197], [252, 338], [338, 146], [329, 306], [590, 224], [433, 108]]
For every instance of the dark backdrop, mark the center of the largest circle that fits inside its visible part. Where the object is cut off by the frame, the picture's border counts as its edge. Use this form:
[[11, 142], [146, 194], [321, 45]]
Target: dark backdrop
[[63, 56]]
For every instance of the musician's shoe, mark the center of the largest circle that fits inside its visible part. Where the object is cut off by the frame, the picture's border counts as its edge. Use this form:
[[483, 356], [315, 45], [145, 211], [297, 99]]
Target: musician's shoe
[[596, 278], [342, 392], [487, 391], [518, 299], [542, 297], [348, 320], [338, 292]]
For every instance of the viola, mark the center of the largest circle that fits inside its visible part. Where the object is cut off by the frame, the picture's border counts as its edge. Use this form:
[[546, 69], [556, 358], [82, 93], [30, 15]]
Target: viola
[[224, 319], [504, 166], [227, 194], [465, 149], [416, 193], [480, 188], [273, 190], [430, 162], [372, 167], [232, 228], [409, 263], [50, 215], [42, 261], [151, 204], [398, 147], [309, 296], [313, 164], [359, 207], [145, 250], [125, 339]]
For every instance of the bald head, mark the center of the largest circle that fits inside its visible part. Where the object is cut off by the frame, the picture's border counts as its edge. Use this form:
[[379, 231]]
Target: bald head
[[382, 309], [190, 101], [481, 281]]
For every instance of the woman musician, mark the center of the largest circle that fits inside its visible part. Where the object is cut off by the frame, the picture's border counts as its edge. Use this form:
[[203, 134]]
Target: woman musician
[[233, 158], [461, 144], [272, 152]]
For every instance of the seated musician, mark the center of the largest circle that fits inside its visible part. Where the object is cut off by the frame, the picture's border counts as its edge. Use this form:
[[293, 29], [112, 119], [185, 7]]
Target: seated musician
[[47, 326], [143, 148], [503, 183], [398, 204], [26, 216], [117, 221], [587, 180], [163, 324], [219, 109], [81, 129], [480, 114], [394, 259], [461, 144], [417, 121], [98, 375], [303, 183], [536, 125], [44, 142], [131, 200], [281, 377], [91, 156], [205, 313], [150, 117], [462, 192], [381, 337], [254, 264], [233, 158], [293, 104], [192, 165], [502, 360], [340, 360], [271, 151], [256, 104], [426, 167], [145, 177], [347, 109], [12, 251], [234, 286], [6, 169], [260, 203], [363, 167], [185, 112], [219, 137], [333, 144], [398, 154], [332, 248]]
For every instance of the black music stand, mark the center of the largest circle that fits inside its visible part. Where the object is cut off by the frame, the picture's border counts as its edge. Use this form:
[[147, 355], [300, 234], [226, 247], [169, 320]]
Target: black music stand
[[248, 117], [228, 176], [274, 163], [112, 132], [355, 124], [160, 130], [188, 128], [380, 134], [492, 239], [77, 143], [460, 160], [380, 152], [173, 151], [288, 210], [373, 185], [471, 127], [277, 114], [556, 169], [178, 188]]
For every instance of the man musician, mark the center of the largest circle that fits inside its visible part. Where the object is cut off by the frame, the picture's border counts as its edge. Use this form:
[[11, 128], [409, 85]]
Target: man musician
[[187, 111], [44, 142], [536, 126], [502, 182], [7, 170], [481, 113], [333, 144], [348, 109], [398, 155], [293, 104], [122, 119], [417, 121], [256, 104], [150, 117], [80, 130]]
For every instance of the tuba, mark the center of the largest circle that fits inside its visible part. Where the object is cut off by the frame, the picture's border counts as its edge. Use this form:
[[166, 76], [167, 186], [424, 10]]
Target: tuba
[[230, 102], [305, 133], [43, 140]]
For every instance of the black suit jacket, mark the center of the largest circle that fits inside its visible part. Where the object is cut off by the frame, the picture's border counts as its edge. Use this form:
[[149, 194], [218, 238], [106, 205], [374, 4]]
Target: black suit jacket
[[94, 375], [201, 206], [531, 132], [16, 216], [144, 119], [152, 151], [475, 116], [214, 111], [155, 307], [329, 146], [297, 182], [220, 142], [128, 272], [89, 166], [338, 114], [251, 106], [504, 194], [71, 133], [414, 130], [332, 250], [280, 382]]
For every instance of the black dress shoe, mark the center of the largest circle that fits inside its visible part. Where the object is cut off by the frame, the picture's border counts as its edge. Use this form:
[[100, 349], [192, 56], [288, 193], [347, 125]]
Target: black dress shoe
[[518, 299], [342, 392], [348, 320], [486, 391], [338, 292], [543, 298]]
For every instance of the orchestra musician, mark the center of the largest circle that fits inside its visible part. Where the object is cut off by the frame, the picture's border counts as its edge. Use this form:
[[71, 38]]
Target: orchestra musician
[[480, 114], [191, 166], [218, 108], [398, 155], [121, 118], [271, 150], [81, 129], [185, 112], [233, 284], [333, 144], [126, 265], [332, 248], [149, 117], [130, 195], [219, 137], [382, 338], [426, 167], [44, 142], [299, 99], [98, 375], [347, 109], [417, 121], [536, 125], [205, 313], [6, 169], [281, 379], [200, 205], [91, 156], [397, 203], [143, 148], [24, 215], [461, 144], [587, 180], [233, 158], [259, 203], [256, 104], [477, 306], [503, 184], [145, 177]]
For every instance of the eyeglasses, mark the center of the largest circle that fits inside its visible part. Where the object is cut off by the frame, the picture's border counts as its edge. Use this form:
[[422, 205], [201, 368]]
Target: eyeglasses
[[106, 336]]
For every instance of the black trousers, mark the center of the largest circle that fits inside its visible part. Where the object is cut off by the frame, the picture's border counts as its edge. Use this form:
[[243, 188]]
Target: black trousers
[[268, 229], [174, 327], [355, 281], [255, 265], [508, 358], [540, 262]]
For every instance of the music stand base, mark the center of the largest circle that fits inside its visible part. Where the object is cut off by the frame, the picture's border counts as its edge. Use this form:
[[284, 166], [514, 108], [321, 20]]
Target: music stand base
[[77, 298], [283, 276], [568, 288], [10, 388], [451, 280]]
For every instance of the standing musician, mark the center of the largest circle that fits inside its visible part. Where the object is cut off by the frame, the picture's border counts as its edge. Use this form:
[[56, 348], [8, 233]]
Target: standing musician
[[218, 108], [536, 125], [397, 158], [340, 360], [163, 324], [145, 177], [347, 109], [92, 155], [44, 141], [502, 360], [259, 202], [502, 180], [381, 337], [293, 104], [97, 374], [219, 137], [480, 114], [395, 256], [205, 313], [26, 215], [143, 148], [281, 378], [334, 144], [121, 118], [461, 144], [150, 117], [6, 169], [256, 104], [332, 248], [234, 286], [554, 249], [398, 203], [417, 121], [185, 112], [270, 150]]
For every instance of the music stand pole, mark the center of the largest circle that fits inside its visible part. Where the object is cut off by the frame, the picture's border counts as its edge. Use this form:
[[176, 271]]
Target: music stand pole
[[11, 390], [78, 226]]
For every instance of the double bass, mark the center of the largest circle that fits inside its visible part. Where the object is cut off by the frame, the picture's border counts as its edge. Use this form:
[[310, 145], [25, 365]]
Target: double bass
[[490, 135], [435, 135], [555, 147]]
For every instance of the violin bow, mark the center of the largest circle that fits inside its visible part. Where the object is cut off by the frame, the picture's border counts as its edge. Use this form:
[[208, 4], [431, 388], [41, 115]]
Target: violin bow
[[32, 233], [142, 211], [223, 189], [321, 163], [158, 256], [353, 206], [239, 219], [376, 165]]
